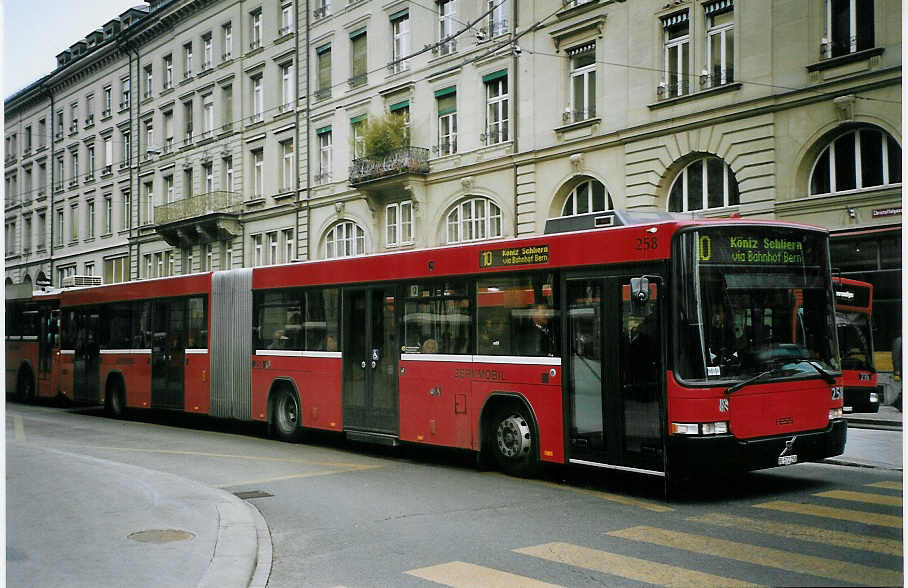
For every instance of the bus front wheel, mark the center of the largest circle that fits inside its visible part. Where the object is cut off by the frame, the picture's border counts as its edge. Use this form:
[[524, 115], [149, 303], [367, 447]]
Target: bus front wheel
[[286, 415], [514, 442], [116, 403]]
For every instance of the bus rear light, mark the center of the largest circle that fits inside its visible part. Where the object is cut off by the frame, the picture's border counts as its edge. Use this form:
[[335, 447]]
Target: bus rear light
[[835, 413], [716, 428]]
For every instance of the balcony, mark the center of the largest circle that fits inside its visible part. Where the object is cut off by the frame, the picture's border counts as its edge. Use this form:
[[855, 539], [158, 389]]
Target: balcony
[[203, 218], [401, 162], [89, 121]]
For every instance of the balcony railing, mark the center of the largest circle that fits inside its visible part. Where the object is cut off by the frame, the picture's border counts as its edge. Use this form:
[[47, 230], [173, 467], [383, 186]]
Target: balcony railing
[[409, 160], [284, 30], [197, 206], [357, 80]]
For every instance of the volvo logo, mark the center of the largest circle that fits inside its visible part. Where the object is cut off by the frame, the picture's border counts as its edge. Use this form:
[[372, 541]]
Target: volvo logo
[[788, 446]]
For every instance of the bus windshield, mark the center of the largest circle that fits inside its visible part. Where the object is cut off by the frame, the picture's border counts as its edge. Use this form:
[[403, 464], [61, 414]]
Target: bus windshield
[[751, 300], [855, 340]]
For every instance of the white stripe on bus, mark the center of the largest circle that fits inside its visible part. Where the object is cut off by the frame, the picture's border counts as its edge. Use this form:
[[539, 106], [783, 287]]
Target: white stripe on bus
[[67, 352], [293, 353], [123, 352], [504, 359], [195, 351]]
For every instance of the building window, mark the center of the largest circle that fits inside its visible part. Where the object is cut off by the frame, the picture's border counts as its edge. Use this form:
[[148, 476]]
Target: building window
[[187, 119], [127, 211], [257, 251], [720, 46], [74, 156], [74, 223], [345, 239], [286, 19], [206, 51], [27, 235], [287, 86], [323, 56], [258, 101], [864, 158], [207, 257], [186, 262], [60, 172], [325, 156], [359, 59], [227, 114], [168, 131], [473, 220], [258, 173], [227, 33], [273, 247], [107, 101], [159, 265], [149, 140], [90, 173], [208, 172], [207, 114], [149, 203], [149, 273], [168, 189], [228, 173], [287, 165], [89, 269], [356, 127], [255, 25], [287, 240], [90, 220], [187, 60], [849, 27], [127, 148], [447, 18], [676, 42], [108, 215], [498, 17], [705, 183], [149, 80], [588, 196], [399, 223], [168, 72], [447, 121], [583, 82], [400, 31], [227, 249], [108, 154], [116, 270], [496, 108], [89, 118], [58, 230], [187, 183]]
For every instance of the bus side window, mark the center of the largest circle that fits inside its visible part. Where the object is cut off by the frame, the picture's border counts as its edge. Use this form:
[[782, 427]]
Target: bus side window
[[518, 316]]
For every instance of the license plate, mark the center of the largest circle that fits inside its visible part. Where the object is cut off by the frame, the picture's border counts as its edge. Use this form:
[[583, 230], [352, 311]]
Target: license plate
[[788, 459]]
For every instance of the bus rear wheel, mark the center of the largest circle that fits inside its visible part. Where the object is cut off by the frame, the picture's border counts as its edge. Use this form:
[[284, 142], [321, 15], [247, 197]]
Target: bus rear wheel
[[514, 442], [116, 402], [286, 415]]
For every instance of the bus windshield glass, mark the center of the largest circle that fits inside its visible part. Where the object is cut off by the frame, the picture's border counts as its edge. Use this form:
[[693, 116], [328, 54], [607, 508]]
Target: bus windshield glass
[[855, 340], [752, 300]]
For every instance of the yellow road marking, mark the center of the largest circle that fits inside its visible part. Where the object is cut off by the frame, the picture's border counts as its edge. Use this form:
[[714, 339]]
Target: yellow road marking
[[865, 497], [234, 456], [458, 573], [295, 476], [842, 514], [781, 559], [18, 428], [892, 485], [632, 568], [655, 507], [804, 533]]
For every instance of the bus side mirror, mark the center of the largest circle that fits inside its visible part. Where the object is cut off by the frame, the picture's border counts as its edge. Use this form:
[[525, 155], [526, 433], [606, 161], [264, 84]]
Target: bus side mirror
[[640, 290]]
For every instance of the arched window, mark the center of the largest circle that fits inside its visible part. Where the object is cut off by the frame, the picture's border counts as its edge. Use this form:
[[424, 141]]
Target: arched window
[[27, 279], [862, 158], [473, 220], [705, 183], [588, 196], [345, 239]]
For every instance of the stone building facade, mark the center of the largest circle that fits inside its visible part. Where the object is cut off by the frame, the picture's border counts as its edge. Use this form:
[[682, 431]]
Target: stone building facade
[[250, 152]]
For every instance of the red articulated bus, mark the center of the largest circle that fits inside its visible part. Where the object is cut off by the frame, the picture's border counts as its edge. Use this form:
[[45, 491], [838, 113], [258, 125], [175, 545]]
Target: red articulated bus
[[652, 344], [853, 318]]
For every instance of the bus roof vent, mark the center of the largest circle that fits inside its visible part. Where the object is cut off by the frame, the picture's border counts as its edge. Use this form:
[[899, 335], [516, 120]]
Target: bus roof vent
[[77, 281], [608, 218]]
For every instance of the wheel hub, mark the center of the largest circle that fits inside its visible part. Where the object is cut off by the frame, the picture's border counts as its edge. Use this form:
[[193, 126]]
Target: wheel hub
[[514, 438]]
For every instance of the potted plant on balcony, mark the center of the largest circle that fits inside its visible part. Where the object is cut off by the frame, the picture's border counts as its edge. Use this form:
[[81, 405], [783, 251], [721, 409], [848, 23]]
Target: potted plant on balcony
[[382, 137]]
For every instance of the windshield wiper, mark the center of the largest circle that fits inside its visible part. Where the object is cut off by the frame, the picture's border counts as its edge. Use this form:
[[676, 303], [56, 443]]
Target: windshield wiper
[[828, 377], [754, 380]]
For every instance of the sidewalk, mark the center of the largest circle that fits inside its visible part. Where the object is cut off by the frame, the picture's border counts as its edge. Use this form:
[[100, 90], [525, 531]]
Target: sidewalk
[[118, 524], [888, 417], [874, 440]]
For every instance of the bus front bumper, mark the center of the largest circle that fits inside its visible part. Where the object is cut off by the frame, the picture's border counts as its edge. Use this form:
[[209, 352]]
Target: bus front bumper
[[728, 453]]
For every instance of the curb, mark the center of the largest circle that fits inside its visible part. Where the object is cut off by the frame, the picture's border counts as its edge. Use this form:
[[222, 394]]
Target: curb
[[861, 464], [236, 550]]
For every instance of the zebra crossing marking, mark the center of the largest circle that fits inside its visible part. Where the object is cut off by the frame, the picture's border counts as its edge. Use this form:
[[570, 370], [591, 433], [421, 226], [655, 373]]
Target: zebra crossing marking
[[843, 514], [865, 497], [467, 575], [781, 559]]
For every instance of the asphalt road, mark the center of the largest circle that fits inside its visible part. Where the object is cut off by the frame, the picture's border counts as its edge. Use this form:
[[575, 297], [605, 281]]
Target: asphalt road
[[347, 515]]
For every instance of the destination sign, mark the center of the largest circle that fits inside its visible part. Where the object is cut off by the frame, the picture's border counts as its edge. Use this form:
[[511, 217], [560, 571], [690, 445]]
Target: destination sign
[[851, 294], [747, 248], [512, 256]]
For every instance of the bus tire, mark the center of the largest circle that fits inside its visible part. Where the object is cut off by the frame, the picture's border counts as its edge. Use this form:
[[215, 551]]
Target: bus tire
[[514, 441], [25, 385], [116, 400], [285, 415]]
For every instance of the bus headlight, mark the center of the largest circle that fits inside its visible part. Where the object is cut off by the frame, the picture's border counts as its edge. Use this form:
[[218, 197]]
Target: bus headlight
[[835, 413], [874, 397], [716, 428]]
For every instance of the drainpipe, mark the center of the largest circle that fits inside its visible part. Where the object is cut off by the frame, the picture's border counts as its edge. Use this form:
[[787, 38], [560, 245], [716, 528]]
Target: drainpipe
[[134, 140], [516, 104], [308, 147], [52, 187], [296, 115]]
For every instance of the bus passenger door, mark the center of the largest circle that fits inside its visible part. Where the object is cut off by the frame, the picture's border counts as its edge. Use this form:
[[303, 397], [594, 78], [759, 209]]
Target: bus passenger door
[[168, 353], [370, 360], [615, 374], [86, 361]]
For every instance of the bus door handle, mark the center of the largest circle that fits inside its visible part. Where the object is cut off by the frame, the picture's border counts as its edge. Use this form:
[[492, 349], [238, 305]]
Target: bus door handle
[[374, 363]]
